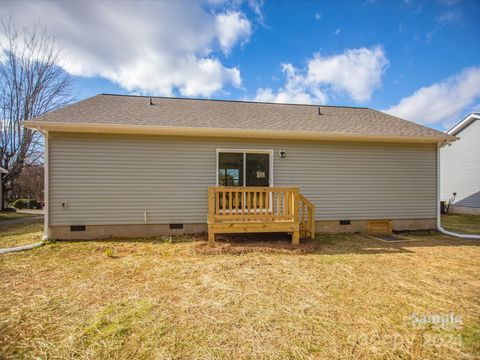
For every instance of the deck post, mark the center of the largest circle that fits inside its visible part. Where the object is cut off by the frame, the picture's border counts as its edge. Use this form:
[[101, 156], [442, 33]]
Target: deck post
[[296, 217], [211, 204], [312, 222], [296, 238], [296, 206], [211, 215], [211, 238]]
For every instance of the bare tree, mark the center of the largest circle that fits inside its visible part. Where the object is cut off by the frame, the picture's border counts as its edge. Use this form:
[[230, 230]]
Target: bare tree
[[32, 82], [28, 185]]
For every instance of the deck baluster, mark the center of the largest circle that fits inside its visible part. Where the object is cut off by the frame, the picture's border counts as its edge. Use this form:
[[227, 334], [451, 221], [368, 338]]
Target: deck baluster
[[259, 209]]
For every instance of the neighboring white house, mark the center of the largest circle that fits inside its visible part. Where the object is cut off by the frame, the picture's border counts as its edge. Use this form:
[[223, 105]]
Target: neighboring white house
[[2, 171], [460, 167]]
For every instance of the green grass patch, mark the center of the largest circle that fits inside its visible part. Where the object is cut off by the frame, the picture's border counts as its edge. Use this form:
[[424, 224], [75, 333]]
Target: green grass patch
[[471, 338], [10, 215], [463, 224], [116, 321]]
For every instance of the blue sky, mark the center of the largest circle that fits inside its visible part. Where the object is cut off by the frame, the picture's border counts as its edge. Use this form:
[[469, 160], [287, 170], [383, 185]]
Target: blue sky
[[419, 60]]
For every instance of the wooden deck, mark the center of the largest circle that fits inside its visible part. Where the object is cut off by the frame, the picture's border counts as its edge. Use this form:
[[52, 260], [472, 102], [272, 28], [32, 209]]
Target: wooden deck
[[259, 209]]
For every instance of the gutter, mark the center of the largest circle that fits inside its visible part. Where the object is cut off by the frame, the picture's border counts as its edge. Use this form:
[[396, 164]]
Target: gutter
[[439, 217], [462, 124], [219, 132]]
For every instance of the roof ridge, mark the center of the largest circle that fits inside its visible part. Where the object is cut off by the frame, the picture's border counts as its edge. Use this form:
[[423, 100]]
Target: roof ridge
[[234, 101]]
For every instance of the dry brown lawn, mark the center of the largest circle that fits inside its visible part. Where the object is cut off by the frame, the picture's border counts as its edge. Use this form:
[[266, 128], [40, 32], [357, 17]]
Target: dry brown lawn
[[20, 234], [339, 297]]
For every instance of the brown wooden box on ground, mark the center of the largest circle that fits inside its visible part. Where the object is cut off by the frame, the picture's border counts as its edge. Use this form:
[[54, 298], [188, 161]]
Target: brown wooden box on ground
[[379, 227]]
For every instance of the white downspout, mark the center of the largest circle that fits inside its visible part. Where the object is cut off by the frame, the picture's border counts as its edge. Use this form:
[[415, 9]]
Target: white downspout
[[439, 216], [46, 195]]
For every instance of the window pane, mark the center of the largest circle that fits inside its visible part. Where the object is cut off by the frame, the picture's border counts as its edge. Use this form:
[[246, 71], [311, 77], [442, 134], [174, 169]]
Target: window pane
[[230, 169], [258, 170]]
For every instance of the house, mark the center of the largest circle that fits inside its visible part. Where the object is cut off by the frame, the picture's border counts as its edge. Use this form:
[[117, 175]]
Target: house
[[2, 172], [460, 167], [120, 165]]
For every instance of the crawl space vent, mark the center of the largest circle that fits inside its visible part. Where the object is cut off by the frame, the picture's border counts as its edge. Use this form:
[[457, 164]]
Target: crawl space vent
[[77, 228]]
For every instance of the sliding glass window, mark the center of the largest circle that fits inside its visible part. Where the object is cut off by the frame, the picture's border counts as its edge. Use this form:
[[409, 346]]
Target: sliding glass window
[[244, 168], [230, 169]]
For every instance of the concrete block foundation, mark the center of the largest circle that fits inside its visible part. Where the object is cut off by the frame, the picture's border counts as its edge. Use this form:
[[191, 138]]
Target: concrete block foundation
[[150, 230]]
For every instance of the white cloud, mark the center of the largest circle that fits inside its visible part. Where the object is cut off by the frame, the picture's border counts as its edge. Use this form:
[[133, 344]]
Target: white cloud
[[232, 27], [256, 6], [441, 102], [356, 72], [144, 47], [234, 5], [450, 17], [295, 90]]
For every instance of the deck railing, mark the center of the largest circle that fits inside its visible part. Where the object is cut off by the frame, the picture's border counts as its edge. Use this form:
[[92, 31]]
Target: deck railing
[[259, 205], [307, 216]]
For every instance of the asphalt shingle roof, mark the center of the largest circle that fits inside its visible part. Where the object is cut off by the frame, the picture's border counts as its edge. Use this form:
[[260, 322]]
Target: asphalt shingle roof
[[108, 109]]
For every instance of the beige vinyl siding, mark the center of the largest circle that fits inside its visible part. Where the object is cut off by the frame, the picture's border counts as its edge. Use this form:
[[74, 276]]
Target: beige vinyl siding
[[113, 179], [460, 170]]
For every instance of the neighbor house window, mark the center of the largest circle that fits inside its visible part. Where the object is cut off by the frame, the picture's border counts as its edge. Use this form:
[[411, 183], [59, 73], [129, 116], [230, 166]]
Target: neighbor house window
[[244, 167]]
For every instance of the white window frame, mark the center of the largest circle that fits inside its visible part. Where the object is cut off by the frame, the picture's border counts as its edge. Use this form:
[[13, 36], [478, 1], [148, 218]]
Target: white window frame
[[245, 151]]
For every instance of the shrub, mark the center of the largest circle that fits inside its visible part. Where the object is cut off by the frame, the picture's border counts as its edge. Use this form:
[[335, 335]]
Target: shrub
[[25, 204]]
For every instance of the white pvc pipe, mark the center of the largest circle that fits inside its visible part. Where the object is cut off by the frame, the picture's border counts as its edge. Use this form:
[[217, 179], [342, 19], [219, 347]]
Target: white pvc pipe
[[439, 216], [46, 186], [21, 248]]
